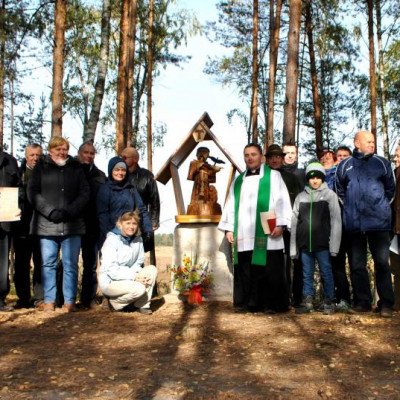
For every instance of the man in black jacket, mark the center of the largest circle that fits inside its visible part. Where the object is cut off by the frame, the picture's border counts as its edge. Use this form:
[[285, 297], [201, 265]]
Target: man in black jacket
[[290, 163], [95, 177], [145, 184], [9, 177], [27, 246], [274, 158]]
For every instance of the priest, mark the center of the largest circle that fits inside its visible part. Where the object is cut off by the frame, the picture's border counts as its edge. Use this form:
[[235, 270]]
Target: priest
[[259, 273]]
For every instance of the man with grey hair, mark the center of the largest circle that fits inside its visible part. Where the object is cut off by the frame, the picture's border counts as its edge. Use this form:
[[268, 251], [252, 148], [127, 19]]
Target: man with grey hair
[[26, 246], [144, 182]]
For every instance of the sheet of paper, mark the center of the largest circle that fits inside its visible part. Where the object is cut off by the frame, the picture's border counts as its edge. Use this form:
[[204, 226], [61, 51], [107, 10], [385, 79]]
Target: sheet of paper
[[9, 204]]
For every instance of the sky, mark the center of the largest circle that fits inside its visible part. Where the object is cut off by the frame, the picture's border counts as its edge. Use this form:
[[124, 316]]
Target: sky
[[180, 97]]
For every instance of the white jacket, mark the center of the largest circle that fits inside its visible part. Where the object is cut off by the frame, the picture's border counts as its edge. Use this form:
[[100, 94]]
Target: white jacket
[[121, 258]]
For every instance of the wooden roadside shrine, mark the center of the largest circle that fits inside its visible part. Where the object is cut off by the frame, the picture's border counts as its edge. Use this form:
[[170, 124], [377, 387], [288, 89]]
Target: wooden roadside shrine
[[201, 131]]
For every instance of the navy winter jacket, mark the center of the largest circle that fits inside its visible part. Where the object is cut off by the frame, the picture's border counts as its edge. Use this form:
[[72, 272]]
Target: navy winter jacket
[[115, 198], [365, 185]]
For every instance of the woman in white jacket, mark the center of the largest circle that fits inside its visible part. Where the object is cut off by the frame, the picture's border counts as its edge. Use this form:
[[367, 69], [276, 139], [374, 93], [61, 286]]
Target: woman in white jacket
[[122, 277]]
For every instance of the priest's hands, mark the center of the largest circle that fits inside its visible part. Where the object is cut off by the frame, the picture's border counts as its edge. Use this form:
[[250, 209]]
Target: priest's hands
[[277, 232], [229, 236]]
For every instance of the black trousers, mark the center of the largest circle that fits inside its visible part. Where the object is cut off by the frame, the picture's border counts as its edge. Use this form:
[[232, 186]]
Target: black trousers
[[294, 273], [89, 277], [259, 287], [342, 286], [4, 263], [26, 248]]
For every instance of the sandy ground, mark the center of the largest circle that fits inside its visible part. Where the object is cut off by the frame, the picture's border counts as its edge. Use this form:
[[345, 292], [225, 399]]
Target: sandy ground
[[206, 352]]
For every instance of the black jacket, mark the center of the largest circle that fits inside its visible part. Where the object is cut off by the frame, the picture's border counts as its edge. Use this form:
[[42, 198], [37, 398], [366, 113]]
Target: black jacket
[[299, 173], [292, 184], [22, 227], [145, 184], [52, 187], [95, 178], [9, 177]]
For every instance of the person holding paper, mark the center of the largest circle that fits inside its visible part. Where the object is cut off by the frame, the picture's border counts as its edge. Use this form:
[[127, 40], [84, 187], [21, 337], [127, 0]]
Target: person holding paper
[[316, 231], [9, 177], [26, 246], [259, 273]]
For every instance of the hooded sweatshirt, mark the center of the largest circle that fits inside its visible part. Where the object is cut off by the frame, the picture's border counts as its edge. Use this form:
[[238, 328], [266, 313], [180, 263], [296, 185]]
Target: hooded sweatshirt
[[316, 222], [115, 198]]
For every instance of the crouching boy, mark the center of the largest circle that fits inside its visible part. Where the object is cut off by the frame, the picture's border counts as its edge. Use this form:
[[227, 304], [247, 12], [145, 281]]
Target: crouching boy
[[315, 235]]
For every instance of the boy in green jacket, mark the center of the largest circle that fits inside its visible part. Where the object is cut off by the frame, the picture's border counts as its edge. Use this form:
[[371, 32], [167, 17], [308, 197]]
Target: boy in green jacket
[[315, 235]]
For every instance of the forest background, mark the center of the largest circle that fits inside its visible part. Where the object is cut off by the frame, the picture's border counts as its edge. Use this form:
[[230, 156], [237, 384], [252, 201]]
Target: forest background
[[311, 72]]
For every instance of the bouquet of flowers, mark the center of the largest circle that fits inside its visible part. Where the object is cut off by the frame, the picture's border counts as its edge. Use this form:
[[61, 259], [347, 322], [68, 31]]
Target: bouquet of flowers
[[192, 278]]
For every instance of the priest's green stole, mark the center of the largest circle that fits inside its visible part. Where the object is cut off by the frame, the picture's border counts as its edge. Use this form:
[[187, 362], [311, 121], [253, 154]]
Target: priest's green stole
[[260, 239]]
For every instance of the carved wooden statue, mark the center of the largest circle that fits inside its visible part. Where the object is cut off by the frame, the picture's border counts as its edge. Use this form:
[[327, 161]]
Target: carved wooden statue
[[204, 196]]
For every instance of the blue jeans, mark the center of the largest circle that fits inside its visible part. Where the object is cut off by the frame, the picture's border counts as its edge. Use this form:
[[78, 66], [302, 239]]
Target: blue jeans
[[325, 269], [379, 243], [70, 247]]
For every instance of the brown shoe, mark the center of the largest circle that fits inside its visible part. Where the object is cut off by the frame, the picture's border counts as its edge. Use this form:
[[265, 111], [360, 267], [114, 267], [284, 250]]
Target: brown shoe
[[46, 307], [70, 307]]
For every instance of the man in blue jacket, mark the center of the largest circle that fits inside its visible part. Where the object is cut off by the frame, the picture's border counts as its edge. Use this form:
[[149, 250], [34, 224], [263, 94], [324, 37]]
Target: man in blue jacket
[[365, 184]]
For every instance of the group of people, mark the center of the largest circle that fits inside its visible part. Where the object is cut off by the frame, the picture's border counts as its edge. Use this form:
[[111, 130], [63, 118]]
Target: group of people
[[68, 207], [279, 218], [336, 206]]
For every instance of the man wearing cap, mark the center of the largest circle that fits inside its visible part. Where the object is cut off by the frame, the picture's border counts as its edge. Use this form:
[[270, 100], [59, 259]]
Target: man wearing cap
[[259, 276], [274, 158], [365, 184]]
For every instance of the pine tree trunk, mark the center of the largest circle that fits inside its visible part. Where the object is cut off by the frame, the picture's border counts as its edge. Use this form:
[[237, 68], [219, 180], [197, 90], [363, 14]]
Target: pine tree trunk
[[382, 88], [2, 70], [90, 131], [131, 133], [314, 80], [60, 19], [149, 88], [122, 83], [289, 117], [372, 79], [254, 100], [275, 27]]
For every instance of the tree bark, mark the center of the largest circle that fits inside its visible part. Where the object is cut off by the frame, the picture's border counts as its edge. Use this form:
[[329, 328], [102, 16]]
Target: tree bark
[[60, 19], [131, 134], [275, 27], [382, 87], [2, 70], [90, 131], [122, 82], [254, 100], [372, 79], [314, 80], [289, 116], [149, 88]]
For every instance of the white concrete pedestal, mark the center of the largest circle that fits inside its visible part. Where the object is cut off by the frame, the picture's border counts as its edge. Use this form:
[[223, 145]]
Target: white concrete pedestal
[[210, 245]]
